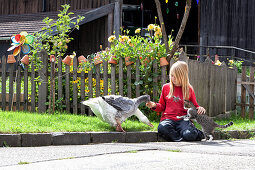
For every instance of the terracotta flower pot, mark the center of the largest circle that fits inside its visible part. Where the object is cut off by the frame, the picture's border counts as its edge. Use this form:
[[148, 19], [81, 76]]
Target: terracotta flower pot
[[11, 59], [82, 59], [127, 61], [25, 60], [67, 60], [97, 59], [112, 60], [52, 58], [163, 61]]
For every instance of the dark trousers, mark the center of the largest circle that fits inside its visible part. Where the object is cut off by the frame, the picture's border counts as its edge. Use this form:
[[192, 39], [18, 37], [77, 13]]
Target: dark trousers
[[179, 130]]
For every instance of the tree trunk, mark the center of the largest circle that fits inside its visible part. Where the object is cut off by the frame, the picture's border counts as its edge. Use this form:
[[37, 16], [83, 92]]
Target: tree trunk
[[161, 20], [181, 29]]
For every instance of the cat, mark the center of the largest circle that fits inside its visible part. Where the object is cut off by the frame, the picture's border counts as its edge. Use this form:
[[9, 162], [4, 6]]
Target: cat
[[206, 122]]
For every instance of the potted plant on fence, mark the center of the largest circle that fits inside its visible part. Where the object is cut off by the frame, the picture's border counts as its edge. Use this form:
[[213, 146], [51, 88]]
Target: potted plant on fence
[[55, 43]]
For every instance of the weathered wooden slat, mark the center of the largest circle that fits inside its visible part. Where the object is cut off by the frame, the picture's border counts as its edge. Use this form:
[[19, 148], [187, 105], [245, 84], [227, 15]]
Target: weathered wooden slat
[[113, 79], [137, 78], [105, 77], [82, 91], [18, 88], [3, 83], [90, 80], [121, 76], [155, 80], [25, 88], [243, 92], [97, 80], [251, 108], [109, 27], [60, 87], [67, 88], [163, 75], [117, 18], [129, 81], [11, 80], [75, 90], [33, 88], [43, 89]]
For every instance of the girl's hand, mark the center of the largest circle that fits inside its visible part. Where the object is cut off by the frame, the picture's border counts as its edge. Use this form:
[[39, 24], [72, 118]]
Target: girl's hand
[[201, 110], [151, 104]]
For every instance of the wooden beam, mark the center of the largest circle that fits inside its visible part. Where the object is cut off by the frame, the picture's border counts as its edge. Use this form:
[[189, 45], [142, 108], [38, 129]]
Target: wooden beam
[[90, 16]]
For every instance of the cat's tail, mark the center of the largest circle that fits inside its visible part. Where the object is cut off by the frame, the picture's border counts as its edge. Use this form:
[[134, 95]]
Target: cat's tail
[[225, 126]]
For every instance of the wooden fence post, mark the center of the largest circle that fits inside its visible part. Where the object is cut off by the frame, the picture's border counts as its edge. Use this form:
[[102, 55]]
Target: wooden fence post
[[11, 80], [43, 86], [113, 79], [67, 88], [18, 87], [137, 78], [243, 93], [3, 83], [75, 90], [121, 76], [90, 85], [60, 88], [155, 80], [251, 108], [26, 88], [82, 91], [105, 76]]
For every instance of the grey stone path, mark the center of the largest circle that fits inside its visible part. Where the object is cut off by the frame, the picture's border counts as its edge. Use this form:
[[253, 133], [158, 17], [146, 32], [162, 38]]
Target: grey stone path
[[219, 154]]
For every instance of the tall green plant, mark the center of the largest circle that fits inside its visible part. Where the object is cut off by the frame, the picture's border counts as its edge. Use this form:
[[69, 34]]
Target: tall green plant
[[54, 39]]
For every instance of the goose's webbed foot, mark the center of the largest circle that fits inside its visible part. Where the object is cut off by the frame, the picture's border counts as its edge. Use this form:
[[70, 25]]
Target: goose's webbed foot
[[118, 127]]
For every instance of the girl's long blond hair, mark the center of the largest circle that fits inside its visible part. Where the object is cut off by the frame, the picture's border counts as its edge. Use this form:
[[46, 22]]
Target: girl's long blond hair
[[180, 71]]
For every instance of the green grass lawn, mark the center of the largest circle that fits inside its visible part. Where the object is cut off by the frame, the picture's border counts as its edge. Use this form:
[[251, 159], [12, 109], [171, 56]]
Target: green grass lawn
[[24, 122]]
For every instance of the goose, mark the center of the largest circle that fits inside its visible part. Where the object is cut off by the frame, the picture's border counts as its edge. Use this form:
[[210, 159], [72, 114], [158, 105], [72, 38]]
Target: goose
[[115, 109]]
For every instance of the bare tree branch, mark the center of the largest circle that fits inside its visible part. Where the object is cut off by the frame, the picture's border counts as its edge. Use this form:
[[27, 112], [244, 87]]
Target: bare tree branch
[[181, 29], [161, 20]]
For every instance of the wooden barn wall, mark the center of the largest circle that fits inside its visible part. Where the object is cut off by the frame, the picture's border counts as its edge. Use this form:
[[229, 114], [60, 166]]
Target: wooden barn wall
[[35, 6], [89, 37], [228, 22]]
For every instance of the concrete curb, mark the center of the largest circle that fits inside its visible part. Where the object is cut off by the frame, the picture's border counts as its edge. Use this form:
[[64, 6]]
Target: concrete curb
[[84, 138]]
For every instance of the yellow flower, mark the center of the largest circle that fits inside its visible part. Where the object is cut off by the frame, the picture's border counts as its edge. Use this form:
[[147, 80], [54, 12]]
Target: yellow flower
[[111, 38], [86, 91], [121, 39], [157, 29], [151, 27], [231, 61], [126, 38], [158, 34], [218, 63], [75, 81], [138, 30]]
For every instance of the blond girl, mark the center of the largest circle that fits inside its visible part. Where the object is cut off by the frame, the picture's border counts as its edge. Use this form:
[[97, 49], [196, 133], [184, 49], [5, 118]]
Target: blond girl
[[171, 104]]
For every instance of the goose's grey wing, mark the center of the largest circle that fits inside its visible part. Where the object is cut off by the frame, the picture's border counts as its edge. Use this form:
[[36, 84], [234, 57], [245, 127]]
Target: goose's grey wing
[[120, 103]]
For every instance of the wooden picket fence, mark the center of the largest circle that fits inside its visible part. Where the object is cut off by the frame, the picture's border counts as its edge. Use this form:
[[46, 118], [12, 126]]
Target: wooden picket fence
[[247, 87], [215, 86]]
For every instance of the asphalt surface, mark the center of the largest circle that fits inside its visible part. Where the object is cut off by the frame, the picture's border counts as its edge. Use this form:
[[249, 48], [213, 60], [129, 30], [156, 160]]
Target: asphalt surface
[[218, 154]]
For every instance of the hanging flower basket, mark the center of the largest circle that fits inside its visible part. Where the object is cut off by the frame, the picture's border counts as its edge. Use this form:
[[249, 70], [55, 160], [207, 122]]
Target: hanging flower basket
[[97, 59], [127, 61], [25, 60], [82, 59], [67, 60], [113, 60], [11, 59], [163, 61]]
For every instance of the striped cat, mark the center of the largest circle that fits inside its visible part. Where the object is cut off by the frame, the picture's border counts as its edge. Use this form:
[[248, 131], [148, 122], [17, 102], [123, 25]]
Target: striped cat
[[206, 122]]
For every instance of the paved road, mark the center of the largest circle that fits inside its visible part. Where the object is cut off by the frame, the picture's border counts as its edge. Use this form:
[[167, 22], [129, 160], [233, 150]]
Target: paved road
[[219, 154]]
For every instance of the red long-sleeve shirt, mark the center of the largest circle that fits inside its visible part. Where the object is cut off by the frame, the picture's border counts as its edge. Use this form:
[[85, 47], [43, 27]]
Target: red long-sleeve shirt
[[174, 106]]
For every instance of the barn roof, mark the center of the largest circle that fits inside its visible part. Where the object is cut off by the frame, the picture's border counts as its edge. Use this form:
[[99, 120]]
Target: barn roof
[[31, 23]]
